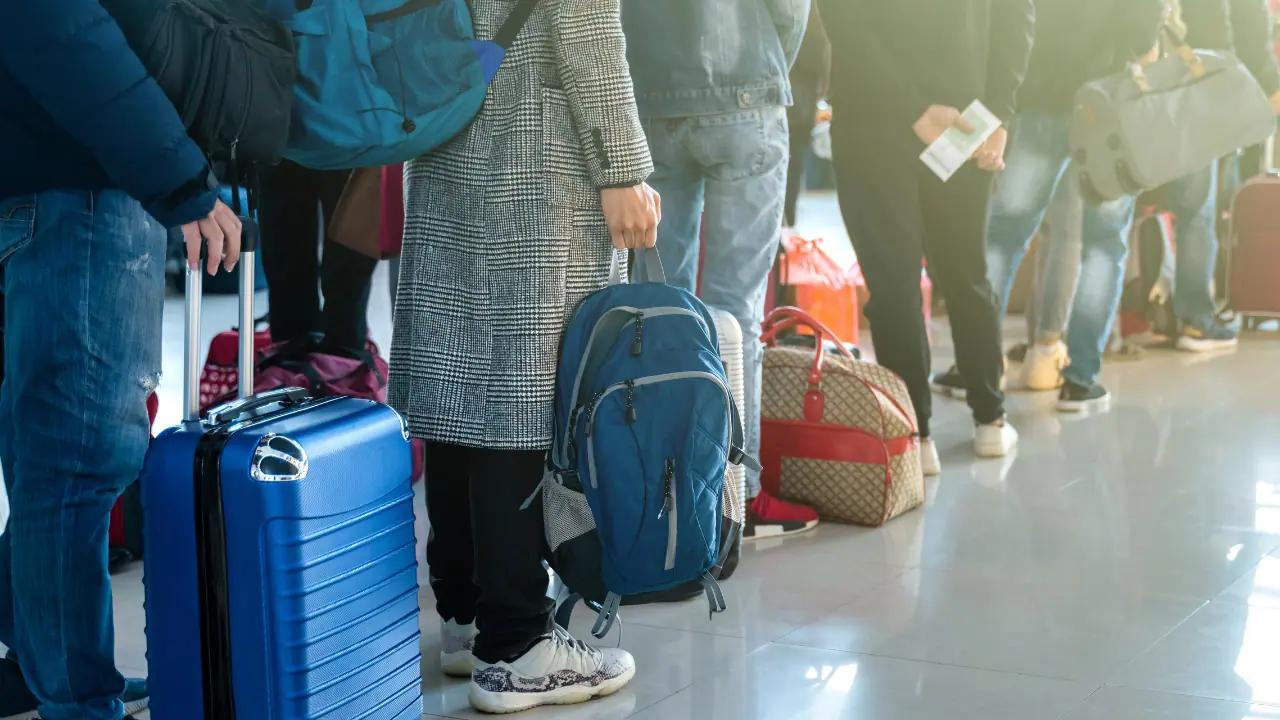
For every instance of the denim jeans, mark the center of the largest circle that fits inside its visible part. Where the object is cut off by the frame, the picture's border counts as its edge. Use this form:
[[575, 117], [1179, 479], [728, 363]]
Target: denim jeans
[[1057, 266], [1194, 202], [723, 179], [1038, 161], [84, 298]]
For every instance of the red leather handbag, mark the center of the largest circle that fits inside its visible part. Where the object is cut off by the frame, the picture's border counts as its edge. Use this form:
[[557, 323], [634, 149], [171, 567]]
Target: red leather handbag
[[837, 434]]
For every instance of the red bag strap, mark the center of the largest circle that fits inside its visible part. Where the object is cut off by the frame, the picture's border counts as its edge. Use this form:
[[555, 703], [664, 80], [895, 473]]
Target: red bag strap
[[785, 319]]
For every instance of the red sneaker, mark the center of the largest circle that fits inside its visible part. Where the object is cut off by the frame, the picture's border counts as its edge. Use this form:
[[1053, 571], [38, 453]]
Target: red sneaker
[[767, 516]]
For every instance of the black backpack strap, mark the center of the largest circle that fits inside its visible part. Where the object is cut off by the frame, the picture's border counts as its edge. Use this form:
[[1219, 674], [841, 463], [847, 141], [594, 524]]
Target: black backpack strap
[[506, 36]]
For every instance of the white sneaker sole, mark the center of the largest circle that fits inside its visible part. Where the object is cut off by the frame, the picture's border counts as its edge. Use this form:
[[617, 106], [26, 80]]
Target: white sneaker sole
[[1195, 345], [774, 531], [457, 664], [993, 449], [496, 703], [1101, 404]]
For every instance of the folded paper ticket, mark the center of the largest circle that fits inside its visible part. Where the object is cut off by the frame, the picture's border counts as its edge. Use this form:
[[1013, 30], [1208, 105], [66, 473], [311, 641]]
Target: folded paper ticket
[[954, 148]]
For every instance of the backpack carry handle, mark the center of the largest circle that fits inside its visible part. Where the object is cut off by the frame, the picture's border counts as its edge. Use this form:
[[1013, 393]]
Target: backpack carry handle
[[645, 264]]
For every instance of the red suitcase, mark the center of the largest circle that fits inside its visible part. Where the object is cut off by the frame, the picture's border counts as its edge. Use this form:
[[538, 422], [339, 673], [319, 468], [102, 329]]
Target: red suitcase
[[1254, 258]]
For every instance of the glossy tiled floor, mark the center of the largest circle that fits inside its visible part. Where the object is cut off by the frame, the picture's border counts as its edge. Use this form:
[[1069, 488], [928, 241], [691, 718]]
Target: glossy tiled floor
[[1122, 566]]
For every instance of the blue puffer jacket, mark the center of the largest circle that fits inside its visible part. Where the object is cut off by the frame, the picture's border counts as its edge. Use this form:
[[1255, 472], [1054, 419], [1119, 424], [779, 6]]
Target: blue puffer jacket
[[78, 111], [704, 57]]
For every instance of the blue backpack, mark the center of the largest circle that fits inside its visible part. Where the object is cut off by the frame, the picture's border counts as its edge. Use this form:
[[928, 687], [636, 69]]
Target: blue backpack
[[386, 81], [645, 426]]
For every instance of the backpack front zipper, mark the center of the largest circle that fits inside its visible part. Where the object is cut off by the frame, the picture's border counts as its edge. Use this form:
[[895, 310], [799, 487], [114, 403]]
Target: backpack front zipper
[[593, 407], [637, 316], [671, 510]]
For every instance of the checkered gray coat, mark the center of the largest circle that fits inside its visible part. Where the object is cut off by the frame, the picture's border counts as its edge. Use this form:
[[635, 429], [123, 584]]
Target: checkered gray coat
[[504, 234]]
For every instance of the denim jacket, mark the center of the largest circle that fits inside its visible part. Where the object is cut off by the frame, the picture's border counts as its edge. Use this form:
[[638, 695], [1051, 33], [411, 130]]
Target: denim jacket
[[703, 57]]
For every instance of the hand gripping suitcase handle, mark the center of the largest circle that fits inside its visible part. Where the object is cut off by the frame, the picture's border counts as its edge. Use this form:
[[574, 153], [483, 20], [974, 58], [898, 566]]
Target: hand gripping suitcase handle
[[191, 362]]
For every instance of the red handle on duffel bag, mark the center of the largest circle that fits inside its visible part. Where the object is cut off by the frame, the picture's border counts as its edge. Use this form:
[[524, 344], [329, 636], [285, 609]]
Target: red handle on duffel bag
[[786, 319]]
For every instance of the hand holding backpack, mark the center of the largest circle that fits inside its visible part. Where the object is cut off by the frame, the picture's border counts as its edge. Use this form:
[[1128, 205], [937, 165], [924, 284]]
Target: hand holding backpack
[[645, 428]]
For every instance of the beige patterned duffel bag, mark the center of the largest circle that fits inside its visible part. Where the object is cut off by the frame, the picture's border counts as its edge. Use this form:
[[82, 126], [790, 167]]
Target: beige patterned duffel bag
[[838, 434]]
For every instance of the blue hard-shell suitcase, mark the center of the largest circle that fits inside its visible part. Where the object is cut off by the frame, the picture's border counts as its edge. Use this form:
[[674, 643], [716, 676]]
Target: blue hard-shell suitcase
[[281, 576]]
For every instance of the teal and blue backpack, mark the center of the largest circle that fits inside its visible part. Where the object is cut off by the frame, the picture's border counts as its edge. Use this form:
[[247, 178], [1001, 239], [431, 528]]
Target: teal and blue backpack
[[645, 426], [385, 81]]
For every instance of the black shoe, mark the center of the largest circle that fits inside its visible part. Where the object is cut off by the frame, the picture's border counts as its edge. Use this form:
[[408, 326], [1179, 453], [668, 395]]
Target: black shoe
[[1077, 398], [949, 384], [1017, 353]]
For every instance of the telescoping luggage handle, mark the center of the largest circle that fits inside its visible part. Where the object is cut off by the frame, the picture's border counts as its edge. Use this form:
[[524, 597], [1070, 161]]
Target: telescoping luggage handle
[[191, 361]]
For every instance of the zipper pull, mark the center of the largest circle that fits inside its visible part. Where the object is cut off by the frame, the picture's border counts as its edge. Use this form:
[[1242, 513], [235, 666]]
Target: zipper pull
[[631, 402], [668, 484], [637, 345], [591, 412]]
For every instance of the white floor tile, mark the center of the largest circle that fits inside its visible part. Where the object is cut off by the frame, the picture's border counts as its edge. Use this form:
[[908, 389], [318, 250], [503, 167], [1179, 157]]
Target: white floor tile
[[1227, 650], [783, 682], [1118, 703], [988, 620]]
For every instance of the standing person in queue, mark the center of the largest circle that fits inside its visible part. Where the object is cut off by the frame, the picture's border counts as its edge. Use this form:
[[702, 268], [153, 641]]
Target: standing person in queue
[[96, 163], [508, 227], [713, 91], [902, 71], [1244, 27], [1076, 41]]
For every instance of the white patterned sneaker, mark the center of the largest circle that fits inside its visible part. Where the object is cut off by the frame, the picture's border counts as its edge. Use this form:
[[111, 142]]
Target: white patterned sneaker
[[456, 643], [558, 670]]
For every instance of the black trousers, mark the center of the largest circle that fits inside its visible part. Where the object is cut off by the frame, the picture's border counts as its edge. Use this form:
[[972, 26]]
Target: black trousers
[[897, 211], [485, 553], [801, 118], [293, 201]]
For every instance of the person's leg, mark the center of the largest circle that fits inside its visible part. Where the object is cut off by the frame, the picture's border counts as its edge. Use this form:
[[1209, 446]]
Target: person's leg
[[879, 198], [1194, 202], [1034, 166], [513, 610], [955, 232], [290, 250], [1106, 247], [89, 292], [744, 156], [678, 180], [1058, 266], [346, 276], [522, 659], [801, 117], [450, 550]]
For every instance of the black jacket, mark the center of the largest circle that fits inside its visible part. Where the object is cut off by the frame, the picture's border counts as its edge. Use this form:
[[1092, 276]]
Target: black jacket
[[892, 59], [1082, 40], [1242, 26]]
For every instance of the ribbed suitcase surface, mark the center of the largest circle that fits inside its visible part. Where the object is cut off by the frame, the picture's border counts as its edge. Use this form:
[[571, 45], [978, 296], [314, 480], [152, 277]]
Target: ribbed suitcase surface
[[320, 578]]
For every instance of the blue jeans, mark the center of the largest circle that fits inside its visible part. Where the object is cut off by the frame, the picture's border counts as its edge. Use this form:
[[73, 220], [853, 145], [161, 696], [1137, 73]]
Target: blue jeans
[[1057, 267], [84, 298], [1038, 160], [725, 174], [1194, 201]]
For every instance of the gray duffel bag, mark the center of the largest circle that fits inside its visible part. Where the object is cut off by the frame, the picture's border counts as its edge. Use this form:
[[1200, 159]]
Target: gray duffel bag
[[1137, 130]]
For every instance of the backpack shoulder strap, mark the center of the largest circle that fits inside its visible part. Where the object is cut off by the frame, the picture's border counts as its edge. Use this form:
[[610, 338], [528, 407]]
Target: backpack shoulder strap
[[506, 36]]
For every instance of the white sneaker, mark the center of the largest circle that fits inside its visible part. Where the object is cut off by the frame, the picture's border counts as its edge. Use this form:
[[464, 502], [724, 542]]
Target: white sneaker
[[1042, 368], [456, 644], [929, 461], [558, 670], [994, 440]]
